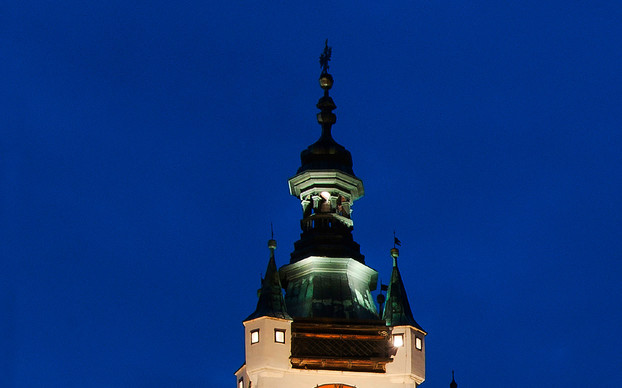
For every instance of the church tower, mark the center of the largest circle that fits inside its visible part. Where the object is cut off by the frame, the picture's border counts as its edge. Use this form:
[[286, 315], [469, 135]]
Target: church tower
[[326, 331]]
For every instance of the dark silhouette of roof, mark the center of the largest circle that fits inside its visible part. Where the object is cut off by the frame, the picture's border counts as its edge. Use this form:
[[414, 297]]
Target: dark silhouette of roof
[[397, 310], [453, 381], [326, 153], [271, 302]]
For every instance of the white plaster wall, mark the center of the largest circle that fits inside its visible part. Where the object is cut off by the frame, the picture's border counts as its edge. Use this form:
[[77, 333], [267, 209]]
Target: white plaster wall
[[299, 378], [268, 365], [408, 362], [241, 373], [267, 353]]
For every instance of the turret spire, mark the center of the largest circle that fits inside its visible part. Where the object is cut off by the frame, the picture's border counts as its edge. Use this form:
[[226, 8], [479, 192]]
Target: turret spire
[[271, 302], [397, 311], [453, 383]]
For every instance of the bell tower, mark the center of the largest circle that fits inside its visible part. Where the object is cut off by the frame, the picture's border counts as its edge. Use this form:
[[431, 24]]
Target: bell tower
[[327, 187], [327, 276], [325, 331]]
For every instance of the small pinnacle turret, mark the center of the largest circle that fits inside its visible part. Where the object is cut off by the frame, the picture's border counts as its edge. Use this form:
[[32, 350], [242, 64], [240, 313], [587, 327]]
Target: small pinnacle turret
[[397, 311], [453, 383], [271, 302]]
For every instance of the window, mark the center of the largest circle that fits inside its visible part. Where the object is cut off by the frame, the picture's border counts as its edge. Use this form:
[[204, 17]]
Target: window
[[398, 340], [418, 343], [279, 336], [254, 336], [241, 383]]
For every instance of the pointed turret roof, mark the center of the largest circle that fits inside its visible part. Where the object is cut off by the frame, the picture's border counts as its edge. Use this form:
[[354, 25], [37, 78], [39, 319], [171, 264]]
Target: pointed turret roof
[[271, 302], [453, 383], [397, 311]]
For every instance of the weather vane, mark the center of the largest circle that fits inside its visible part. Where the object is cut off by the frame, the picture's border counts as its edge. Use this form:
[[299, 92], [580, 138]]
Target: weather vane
[[325, 57], [396, 241]]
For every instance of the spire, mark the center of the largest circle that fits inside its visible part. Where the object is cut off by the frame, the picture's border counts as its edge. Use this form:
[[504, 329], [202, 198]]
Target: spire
[[453, 381], [397, 310], [327, 187], [326, 153], [271, 302]]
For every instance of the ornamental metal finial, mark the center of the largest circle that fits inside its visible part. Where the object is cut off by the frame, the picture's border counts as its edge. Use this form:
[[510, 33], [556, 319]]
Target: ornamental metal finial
[[325, 57], [272, 241]]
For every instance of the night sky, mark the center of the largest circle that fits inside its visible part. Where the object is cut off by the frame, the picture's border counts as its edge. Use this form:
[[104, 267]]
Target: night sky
[[145, 148]]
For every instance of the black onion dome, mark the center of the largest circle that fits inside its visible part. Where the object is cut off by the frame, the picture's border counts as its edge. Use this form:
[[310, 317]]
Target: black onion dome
[[326, 154]]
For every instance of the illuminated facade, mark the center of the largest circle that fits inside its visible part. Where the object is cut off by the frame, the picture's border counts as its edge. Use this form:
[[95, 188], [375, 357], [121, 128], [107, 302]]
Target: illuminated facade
[[326, 330]]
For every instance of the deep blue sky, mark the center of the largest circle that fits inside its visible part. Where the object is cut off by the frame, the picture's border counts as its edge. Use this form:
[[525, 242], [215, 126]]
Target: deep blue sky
[[145, 148]]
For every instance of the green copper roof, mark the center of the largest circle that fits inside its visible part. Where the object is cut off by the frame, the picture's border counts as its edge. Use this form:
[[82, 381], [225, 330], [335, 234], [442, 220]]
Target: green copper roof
[[397, 310], [324, 287], [270, 303]]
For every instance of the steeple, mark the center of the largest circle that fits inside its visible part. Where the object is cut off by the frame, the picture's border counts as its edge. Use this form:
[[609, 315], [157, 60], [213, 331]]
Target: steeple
[[335, 336], [397, 311], [327, 187], [326, 153], [327, 276], [453, 381], [270, 303]]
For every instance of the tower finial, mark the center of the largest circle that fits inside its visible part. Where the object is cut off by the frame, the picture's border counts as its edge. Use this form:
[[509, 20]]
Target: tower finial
[[396, 241], [325, 57], [272, 241], [395, 253], [326, 118], [326, 80]]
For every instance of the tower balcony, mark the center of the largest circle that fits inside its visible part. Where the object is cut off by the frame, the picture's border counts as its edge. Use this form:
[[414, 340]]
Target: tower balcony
[[327, 222]]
